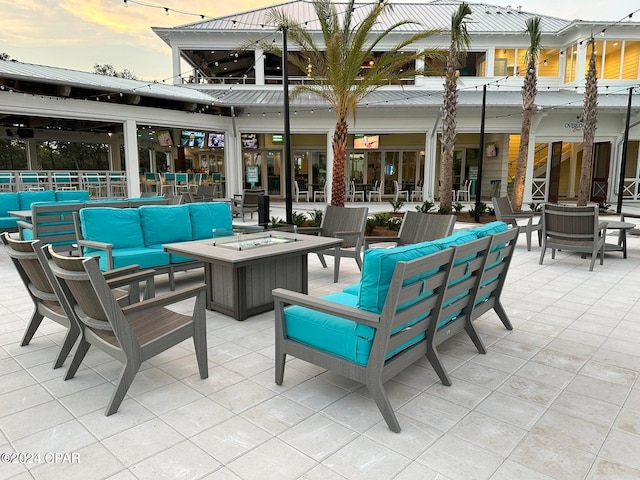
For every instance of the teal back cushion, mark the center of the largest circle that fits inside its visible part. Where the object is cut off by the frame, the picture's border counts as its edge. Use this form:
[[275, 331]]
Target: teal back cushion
[[8, 202], [27, 198], [75, 195], [377, 270], [489, 229], [206, 216], [165, 224], [119, 226]]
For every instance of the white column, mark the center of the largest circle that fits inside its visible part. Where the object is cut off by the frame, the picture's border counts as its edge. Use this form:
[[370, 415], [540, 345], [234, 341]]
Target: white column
[[130, 131], [329, 176], [490, 61], [175, 60], [259, 66], [419, 79], [429, 168], [32, 154]]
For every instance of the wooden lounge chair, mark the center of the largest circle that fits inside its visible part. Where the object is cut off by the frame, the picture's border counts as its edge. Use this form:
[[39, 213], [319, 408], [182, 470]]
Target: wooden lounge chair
[[417, 227], [573, 229], [504, 213], [346, 223], [130, 334], [27, 257]]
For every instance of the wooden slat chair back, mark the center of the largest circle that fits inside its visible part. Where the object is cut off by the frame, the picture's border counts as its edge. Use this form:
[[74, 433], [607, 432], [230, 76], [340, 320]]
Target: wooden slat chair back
[[46, 303], [459, 299], [575, 229], [417, 227], [494, 275], [346, 223], [130, 334], [413, 294], [248, 203], [504, 213]]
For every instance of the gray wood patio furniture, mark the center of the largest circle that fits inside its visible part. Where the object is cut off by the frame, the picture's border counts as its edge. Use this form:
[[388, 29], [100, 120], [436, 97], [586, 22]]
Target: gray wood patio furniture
[[504, 212], [417, 227], [384, 361], [27, 257], [130, 334], [247, 203], [573, 229], [346, 223]]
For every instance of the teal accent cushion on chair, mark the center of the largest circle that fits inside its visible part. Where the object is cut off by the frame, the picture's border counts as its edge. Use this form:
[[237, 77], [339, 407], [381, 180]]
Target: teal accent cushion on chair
[[142, 256], [165, 224], [27, 198], [118, 226], [69, 195], [206, 216], [377, 270], [489, 229]]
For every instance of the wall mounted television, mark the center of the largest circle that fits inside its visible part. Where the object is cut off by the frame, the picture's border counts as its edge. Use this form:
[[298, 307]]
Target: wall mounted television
[[216, 140], [164, 138], [191, 138], [366, 141], [249, 140]]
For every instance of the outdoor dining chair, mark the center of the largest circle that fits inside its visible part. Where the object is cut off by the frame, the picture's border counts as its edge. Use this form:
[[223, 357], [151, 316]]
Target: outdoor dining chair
[[504, 213], [132, 334], [417, 227]]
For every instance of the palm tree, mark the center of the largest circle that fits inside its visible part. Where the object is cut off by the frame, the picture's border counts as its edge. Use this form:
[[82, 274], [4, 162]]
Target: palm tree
[[460, 41], [529, 91], [590, 119], [347, 67]]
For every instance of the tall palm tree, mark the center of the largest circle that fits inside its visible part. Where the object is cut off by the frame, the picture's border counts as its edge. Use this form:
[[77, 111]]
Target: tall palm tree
[[529, 91], [590, 119], [460, 42], [347, 66]]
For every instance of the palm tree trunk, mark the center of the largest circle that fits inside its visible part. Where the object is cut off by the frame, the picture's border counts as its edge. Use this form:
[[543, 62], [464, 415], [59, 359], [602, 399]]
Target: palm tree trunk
[[448, 135], [339, 143], [590, 114]]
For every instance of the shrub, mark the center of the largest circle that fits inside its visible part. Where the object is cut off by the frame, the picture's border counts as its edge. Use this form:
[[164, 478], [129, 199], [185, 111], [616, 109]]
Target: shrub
[[458, 207], [482, 209], [277, 222], [394, 223], [382, 219], [298, 219], [396, 205], [316, 217], [371, 224], [426, 206]]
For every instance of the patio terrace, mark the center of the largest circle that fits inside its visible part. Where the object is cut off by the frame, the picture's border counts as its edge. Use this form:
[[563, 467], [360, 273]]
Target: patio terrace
[[556, 398]]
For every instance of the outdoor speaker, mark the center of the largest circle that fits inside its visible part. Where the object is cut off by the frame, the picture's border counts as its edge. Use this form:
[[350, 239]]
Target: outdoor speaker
[[25, 133]]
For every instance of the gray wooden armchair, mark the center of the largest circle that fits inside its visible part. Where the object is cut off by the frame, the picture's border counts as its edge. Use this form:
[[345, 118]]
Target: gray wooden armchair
[[247, 203], [27, 257], [573, 229], [504, 212], [346, 223], [417, 227], [130, 334]]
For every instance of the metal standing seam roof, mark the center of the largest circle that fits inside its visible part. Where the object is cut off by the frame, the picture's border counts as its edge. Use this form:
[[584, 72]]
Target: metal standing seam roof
[[431, 15], [75, 78], [270, 99]]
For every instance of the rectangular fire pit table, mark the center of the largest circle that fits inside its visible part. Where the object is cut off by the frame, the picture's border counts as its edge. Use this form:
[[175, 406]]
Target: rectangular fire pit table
[[242, 270]]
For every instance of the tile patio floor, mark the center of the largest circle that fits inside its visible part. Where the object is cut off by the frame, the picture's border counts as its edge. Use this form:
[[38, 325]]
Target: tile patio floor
[[558, 397]]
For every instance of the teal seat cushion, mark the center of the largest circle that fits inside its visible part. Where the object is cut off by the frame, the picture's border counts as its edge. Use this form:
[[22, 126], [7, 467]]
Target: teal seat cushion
[[118, 226], [123, 257], [173, 258], [75, 195], [457, 238], [206, 216], [335, 335], [27, 198], [8, 223], [353, 289], [165, 224], [8, 203], [377, 271]]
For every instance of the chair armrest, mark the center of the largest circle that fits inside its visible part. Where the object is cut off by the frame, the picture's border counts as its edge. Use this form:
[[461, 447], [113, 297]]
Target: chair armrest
[[121, 271], [281, 295], [23, 224], [347, 232], [308, 230], [368, 240], [140, 275], [95, 244], [603, 226], [166, 299]]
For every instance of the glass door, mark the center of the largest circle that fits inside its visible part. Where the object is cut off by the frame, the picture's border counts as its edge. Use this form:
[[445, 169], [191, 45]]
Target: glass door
[[274, 172], [250, 160]]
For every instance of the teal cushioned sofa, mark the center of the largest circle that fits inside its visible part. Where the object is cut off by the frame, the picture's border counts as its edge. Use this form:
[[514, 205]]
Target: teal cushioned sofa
[[122, 237], [10, 201], [399, 298]]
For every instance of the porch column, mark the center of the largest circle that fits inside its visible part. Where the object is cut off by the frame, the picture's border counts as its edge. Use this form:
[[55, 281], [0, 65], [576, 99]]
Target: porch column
[[175, 60], [259, 66], [429, 167], [130, 131], [419, 79], [32, 155]]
